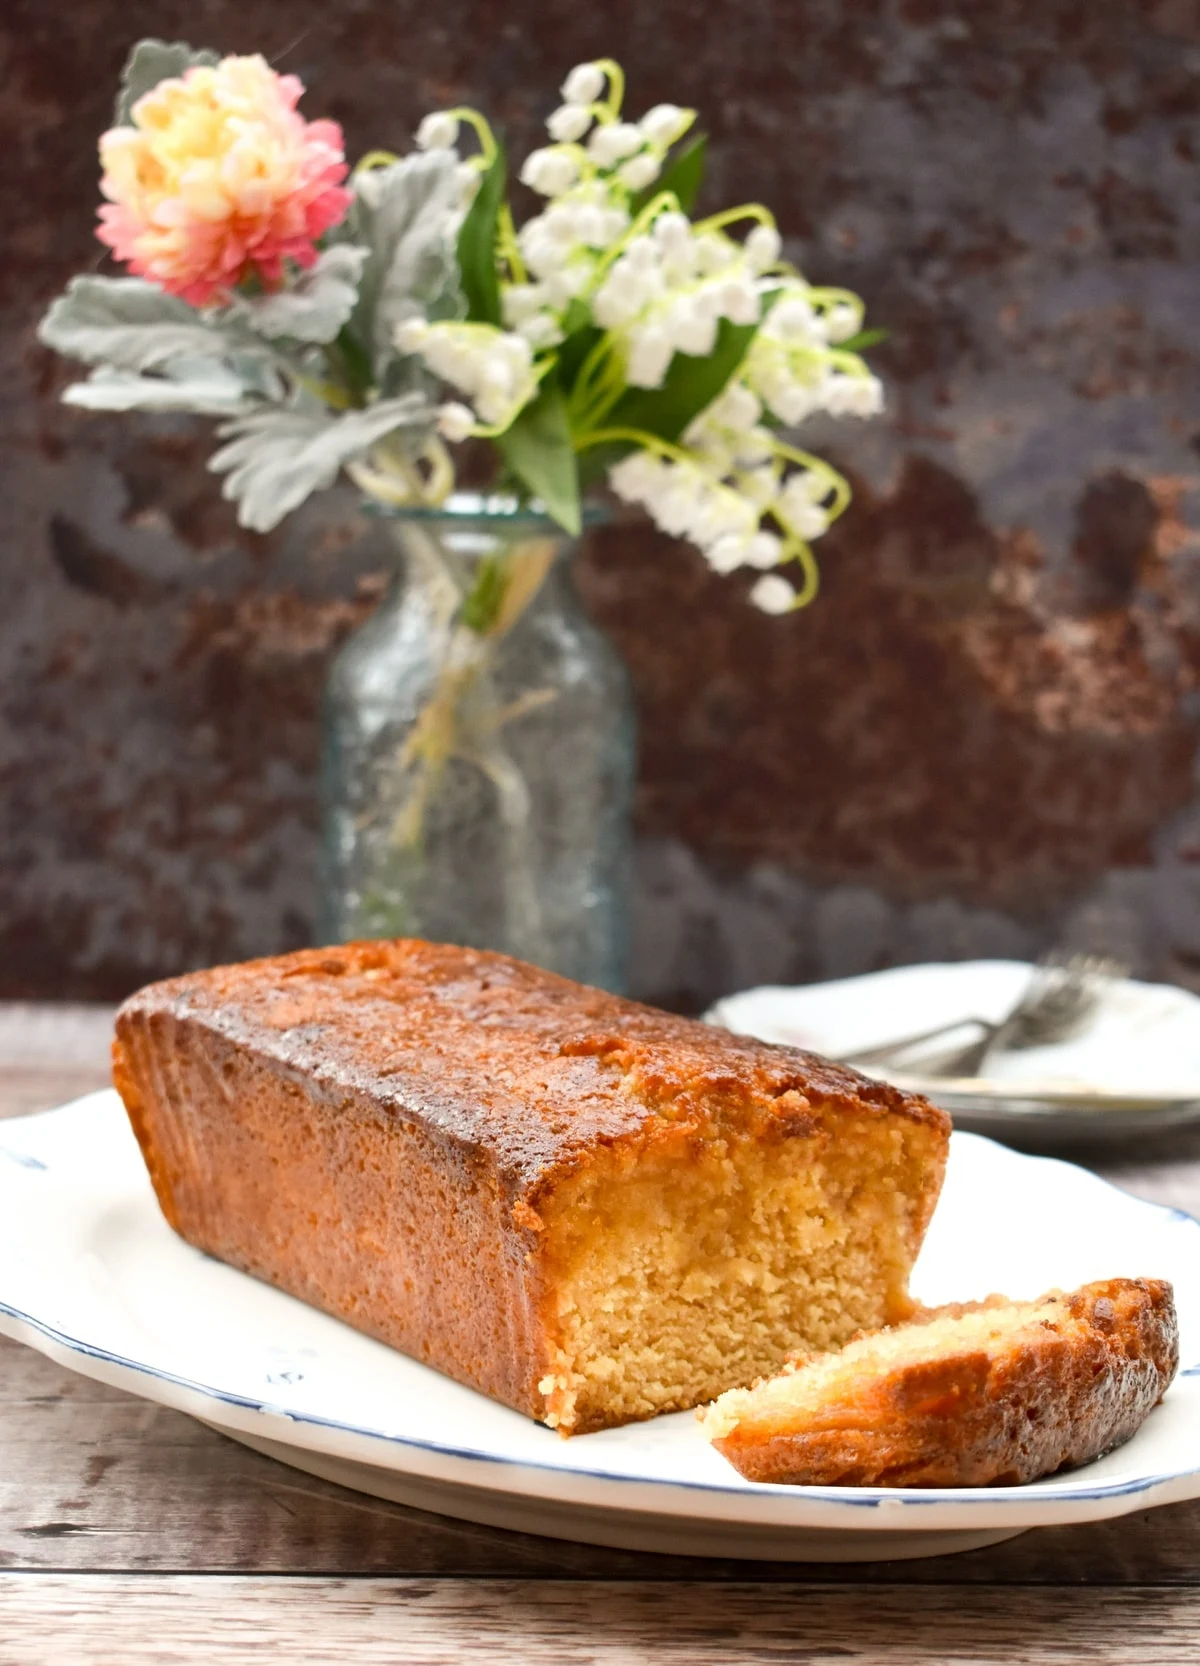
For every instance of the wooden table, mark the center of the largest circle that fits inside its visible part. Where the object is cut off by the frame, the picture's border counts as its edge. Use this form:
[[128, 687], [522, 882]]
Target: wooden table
[[131, 1534]]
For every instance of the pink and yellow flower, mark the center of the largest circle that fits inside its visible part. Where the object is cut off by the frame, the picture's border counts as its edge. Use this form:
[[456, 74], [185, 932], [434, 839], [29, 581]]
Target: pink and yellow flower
[[220, 179]]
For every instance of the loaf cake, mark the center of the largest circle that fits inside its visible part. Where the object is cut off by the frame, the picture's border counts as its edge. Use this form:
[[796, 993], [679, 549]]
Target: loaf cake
[[971, 1395], [587, 1209]]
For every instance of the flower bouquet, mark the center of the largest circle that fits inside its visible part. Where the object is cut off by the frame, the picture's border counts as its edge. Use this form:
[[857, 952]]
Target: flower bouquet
[[369, 321]]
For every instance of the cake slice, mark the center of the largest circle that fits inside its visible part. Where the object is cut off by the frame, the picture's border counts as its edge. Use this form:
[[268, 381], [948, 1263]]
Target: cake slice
[[971, 1395], [590, 1210]]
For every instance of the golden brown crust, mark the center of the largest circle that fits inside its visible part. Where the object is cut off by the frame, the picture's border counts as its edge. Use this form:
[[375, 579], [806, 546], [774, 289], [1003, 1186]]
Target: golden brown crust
[[375, 1126], [1075, 1384], [491, 1053]]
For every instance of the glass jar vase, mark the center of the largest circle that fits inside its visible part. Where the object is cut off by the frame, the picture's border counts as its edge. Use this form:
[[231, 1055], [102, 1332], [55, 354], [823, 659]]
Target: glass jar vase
[[478, 752]]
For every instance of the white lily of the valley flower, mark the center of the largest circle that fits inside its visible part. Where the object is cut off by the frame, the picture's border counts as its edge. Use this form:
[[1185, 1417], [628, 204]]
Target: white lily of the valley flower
[[498, 403], [591, 226], [616, 224], [712, 253], [540, 331], [793, 319], [639, 171], [467, 179], [724, 514], [612, 144], [438, 131], [801, 501], [740, 301], [788, 398], [650, 354], [677, 509], [773, 594], [641, 255], [731, 516], [492, 367], [807, 520], [760, 485], [629, 287], [550, 172], [672, 231], [520, 301], [753, 446], [569, 281], [693, 328], [542, 252], [853, 395], [734, 407], [726, 554], [763, 550], [510, 352], [841, 322], [455, 421], [561, 222], [636, 478], [664, 123], [568, 123], [762, 248], [412, 335], [584, 84]]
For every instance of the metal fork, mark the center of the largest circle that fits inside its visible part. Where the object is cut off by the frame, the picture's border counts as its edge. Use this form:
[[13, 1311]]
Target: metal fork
[[1062, 994]]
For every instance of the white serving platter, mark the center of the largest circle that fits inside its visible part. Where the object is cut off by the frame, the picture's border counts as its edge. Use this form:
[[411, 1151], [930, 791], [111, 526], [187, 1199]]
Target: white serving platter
[[91, 1275]]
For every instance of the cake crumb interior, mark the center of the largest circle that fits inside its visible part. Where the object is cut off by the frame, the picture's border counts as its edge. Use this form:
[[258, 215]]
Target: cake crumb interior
[[675, 1280]]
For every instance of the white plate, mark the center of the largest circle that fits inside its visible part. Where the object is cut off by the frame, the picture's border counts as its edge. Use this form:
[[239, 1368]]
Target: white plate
[[91, 1275]]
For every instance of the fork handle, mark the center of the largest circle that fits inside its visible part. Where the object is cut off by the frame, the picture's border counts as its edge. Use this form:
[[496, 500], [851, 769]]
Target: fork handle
[[886, 1050]]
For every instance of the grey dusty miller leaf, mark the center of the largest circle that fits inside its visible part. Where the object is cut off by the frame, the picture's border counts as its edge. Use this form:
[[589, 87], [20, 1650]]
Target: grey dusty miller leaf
[[150, 62], [274, 459], [128, 324], [205, 386], [316, 305], [406, 215]]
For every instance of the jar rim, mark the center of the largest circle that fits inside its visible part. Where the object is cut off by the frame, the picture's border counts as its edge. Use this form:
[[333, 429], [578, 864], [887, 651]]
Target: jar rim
[[483, 508]]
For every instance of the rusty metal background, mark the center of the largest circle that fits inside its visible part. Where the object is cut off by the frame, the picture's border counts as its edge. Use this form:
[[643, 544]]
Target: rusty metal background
[[981, 739]]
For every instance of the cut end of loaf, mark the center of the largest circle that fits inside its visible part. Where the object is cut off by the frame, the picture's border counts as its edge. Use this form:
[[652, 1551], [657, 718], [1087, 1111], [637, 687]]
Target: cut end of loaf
[[685, 1271]]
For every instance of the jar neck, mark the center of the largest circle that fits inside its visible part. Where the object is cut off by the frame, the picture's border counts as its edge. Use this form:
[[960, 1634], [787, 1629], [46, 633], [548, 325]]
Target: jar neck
[[484, 573], [470, 529]]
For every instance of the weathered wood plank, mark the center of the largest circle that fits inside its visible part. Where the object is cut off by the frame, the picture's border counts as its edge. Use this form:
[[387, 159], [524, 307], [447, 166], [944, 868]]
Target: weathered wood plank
[[23, 1090], [54, 1035], [95, 1620], [93, 1479], [49, 1054]]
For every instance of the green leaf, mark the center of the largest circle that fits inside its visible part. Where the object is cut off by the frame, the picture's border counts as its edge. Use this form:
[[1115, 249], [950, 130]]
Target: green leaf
[[863, 340], [355, 363], [578, 314], [482, 602], [477, 245], [538, 450], [684, 175], [581, 337], [689, 386], [150, 62]]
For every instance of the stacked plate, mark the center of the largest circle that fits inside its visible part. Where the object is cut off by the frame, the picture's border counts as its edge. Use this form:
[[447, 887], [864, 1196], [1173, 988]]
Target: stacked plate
[[1133, 1070]]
